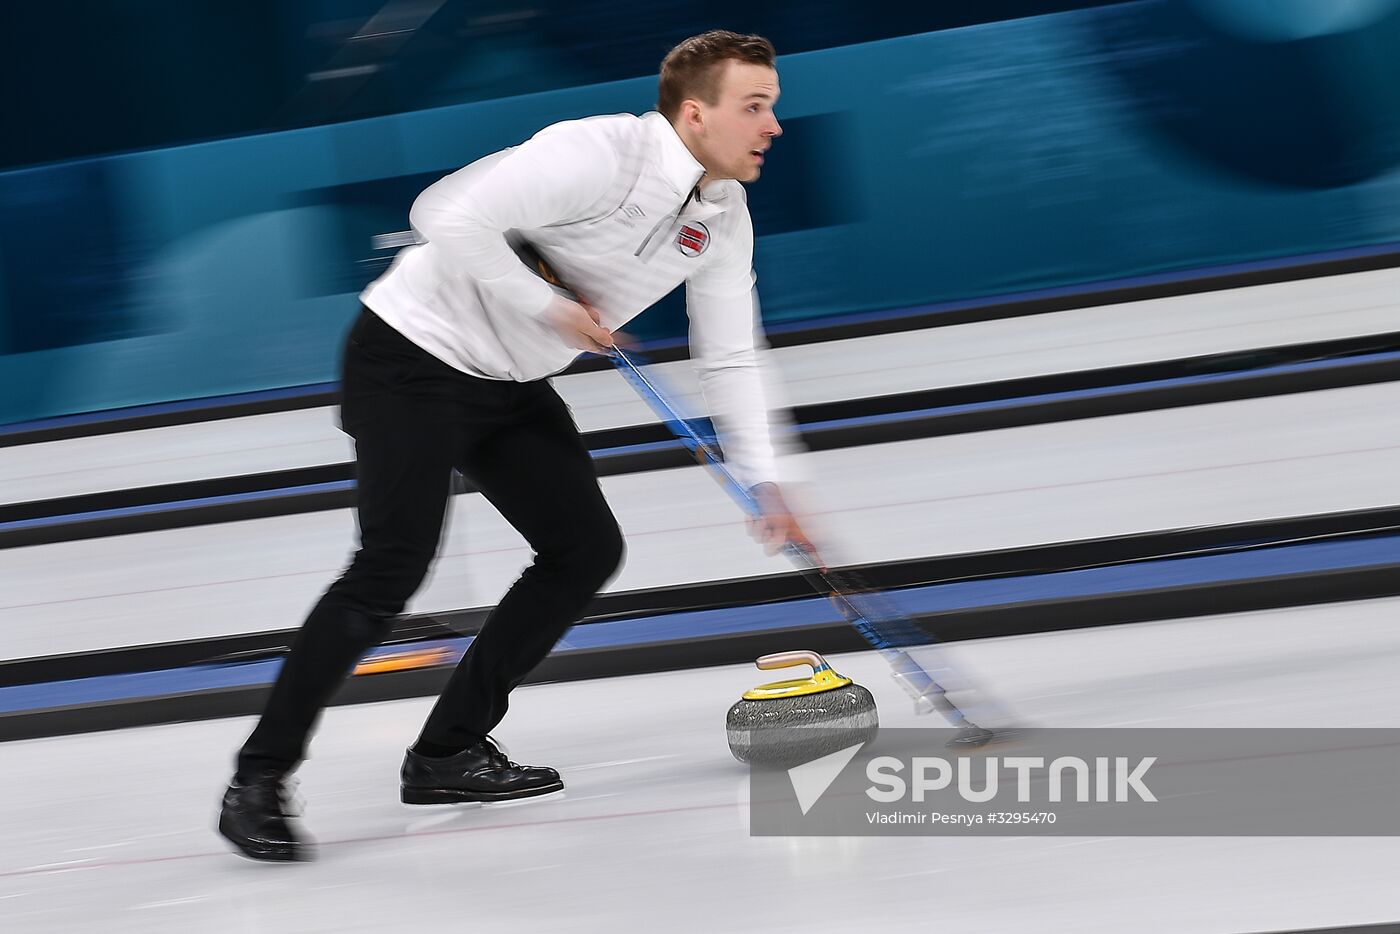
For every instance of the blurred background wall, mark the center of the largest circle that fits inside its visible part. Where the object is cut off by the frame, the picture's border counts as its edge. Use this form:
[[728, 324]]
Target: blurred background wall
[[191, 195]]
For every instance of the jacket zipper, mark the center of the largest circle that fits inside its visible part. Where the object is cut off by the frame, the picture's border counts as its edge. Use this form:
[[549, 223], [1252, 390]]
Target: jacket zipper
[[667, 221]]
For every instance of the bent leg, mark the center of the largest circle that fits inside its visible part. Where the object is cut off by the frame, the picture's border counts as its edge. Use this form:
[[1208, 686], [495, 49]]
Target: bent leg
[[538, 473], [405, 446]]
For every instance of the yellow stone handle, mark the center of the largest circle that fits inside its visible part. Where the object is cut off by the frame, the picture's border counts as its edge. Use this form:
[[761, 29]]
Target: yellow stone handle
[[789, 659], [823, 677]]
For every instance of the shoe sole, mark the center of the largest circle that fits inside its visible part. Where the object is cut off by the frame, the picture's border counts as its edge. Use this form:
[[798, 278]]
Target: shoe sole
[[410, 795], [265, 854]]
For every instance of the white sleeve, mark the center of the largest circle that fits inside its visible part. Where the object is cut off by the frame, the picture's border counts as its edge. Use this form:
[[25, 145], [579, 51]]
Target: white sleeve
[[726, 342], [557, 176]]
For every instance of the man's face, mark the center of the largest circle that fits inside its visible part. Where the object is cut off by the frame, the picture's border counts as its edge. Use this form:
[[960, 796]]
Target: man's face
[[738, 129]]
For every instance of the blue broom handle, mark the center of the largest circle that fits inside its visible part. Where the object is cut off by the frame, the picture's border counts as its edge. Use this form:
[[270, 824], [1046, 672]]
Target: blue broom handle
[[909, 673]]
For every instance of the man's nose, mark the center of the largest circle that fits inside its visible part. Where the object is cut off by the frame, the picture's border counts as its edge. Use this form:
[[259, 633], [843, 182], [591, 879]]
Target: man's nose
[[774, 129]]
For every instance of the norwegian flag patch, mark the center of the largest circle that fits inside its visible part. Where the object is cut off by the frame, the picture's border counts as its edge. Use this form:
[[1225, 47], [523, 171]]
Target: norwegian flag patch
[[693, 238]]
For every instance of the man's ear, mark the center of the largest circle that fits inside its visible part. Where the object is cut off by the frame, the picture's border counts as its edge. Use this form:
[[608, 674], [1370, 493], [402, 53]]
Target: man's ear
[[692, 115]]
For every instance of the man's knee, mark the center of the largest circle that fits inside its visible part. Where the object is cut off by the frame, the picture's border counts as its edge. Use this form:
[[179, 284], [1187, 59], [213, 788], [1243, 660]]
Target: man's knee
[[591, 556], [612, 552], [381, 580]]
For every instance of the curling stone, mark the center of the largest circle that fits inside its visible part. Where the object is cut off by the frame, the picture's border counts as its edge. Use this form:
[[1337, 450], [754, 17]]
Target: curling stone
[[790, 722]]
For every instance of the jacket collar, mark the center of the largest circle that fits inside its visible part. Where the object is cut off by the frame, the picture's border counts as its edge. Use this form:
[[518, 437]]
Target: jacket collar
[[678, 167]]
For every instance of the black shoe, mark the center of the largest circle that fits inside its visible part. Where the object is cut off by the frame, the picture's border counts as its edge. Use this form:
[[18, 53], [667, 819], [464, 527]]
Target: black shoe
[[478, 773], [255, 820]]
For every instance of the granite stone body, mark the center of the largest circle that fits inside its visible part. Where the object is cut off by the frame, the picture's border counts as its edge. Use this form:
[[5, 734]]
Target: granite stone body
[[788, 731]]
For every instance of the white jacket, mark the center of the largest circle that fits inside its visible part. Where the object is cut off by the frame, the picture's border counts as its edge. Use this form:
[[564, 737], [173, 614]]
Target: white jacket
[[598, 198]]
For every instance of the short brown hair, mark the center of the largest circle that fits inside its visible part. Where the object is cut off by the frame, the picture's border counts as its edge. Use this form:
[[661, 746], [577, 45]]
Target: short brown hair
[[692, 69]]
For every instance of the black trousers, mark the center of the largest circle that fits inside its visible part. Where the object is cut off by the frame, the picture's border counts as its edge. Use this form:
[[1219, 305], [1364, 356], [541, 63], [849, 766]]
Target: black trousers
[[413, 419]]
